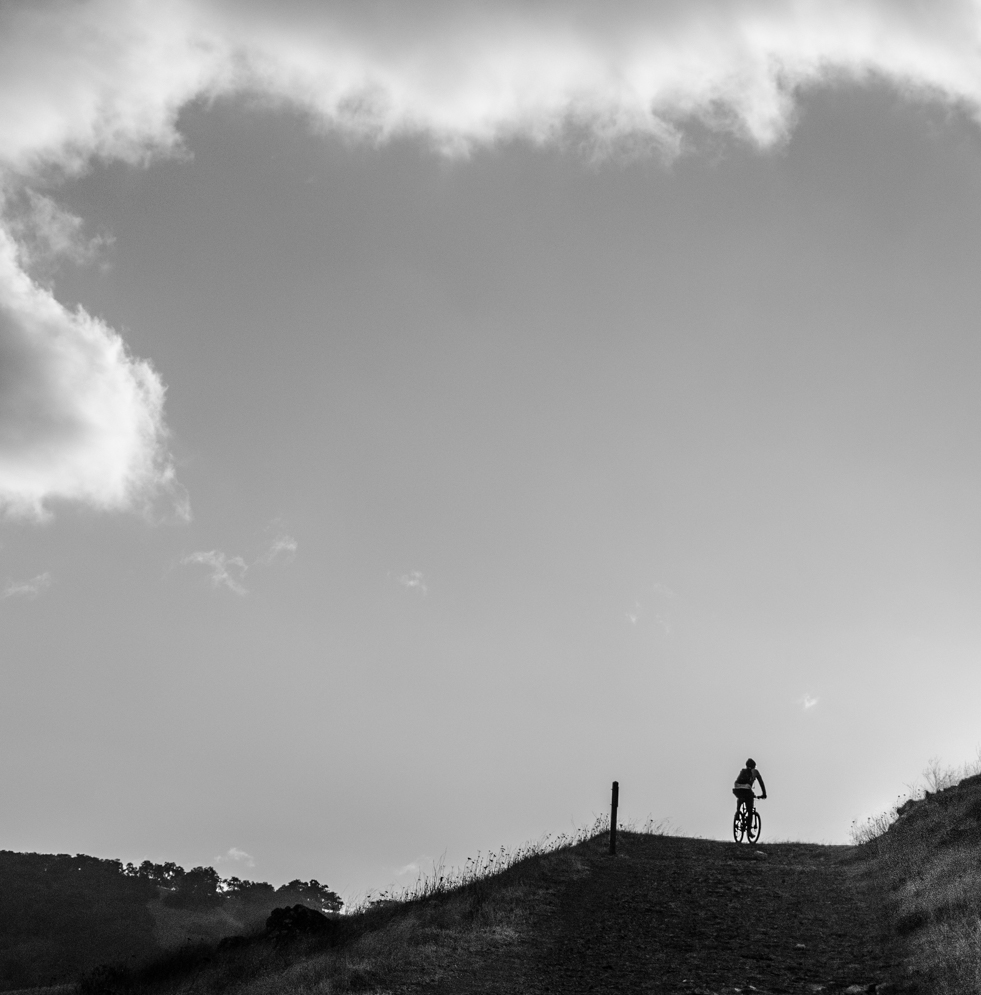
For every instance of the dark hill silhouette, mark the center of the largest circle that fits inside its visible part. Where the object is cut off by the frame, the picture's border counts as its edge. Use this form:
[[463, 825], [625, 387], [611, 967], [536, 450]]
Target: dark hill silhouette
[[62, 916]]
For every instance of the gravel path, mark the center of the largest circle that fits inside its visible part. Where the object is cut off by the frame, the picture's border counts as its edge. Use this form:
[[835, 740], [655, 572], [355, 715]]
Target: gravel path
[[699, 917]]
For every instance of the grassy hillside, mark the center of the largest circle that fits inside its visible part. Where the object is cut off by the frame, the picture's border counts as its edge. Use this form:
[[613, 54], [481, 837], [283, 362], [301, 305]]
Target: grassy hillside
[[413, 937], [899, 911], [667, 914], [926, 854]]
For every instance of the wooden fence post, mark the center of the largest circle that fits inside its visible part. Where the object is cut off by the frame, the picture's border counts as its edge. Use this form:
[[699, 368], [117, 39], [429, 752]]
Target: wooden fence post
[[613, 818]]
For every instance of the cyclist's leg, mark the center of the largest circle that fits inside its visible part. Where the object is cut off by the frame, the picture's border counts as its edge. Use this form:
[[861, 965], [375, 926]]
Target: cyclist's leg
[[742, 803]]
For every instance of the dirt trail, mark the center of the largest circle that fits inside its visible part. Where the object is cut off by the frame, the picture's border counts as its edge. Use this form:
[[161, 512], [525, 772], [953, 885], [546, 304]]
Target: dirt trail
[[674, 915]]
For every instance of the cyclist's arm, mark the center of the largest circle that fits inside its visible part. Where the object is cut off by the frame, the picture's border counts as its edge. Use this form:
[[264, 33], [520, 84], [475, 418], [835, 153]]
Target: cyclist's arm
[[762, 785]]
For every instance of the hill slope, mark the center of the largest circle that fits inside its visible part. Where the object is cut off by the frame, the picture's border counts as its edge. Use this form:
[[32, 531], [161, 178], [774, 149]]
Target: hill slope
[[674, 915], [666, 915]]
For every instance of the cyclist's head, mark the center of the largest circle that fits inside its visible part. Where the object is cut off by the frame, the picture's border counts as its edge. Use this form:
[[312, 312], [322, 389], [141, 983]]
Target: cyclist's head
[[751, 762]]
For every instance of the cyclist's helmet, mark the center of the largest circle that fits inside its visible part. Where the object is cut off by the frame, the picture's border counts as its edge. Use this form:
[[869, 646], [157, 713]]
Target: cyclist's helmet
[[751, 762]]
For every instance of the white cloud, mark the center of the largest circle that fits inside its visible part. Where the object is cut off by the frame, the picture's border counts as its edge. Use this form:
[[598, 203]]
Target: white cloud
[[282, 545], [82, 420], [46, 233], [236, 856], [229, 571], [414, 867], [224, 571], [26, 588], [807, 702], [414, 580], [107, 78]]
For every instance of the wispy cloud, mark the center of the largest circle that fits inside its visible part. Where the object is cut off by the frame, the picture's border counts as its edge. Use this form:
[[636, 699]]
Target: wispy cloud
[[82, 419], [224, 571], [655, 603], [26, 588], [414, 580], [807, 702], [236, 856], [229, 571], [283, 546], [414, 867], [46, 233]]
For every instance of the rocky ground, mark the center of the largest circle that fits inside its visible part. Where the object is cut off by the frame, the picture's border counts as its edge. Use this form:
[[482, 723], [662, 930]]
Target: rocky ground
[[675, 915]]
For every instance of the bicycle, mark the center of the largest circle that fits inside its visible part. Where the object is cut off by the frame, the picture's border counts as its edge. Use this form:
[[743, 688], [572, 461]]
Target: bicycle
[[740, 826]]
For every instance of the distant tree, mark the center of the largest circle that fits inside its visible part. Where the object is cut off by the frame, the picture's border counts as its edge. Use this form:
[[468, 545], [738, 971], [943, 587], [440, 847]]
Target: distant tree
[[196, 889], [311, 893], [249, 891], [164, 875]]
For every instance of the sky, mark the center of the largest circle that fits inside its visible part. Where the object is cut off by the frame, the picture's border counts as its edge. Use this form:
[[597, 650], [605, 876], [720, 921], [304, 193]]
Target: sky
[[414, 417]]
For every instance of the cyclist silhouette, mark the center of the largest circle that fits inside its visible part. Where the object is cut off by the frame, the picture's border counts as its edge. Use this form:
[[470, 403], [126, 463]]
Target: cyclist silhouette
[[743, 788]]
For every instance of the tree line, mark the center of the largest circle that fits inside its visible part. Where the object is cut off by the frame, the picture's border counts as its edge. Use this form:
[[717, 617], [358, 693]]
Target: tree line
[[62, 915], [203, 887]]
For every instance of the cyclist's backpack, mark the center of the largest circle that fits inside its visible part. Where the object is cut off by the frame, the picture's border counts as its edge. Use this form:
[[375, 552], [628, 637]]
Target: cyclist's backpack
[[745, 777]]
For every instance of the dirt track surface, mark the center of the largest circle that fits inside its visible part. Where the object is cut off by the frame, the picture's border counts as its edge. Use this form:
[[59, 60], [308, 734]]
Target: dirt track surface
[[674, 915]]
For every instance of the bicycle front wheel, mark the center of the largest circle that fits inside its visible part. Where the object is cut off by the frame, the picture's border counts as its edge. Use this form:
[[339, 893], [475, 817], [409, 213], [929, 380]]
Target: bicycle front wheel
[[756, 828]]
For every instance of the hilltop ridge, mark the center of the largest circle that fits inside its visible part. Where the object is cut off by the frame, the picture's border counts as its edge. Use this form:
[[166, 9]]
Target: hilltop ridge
[[896, 912], [666, 915]]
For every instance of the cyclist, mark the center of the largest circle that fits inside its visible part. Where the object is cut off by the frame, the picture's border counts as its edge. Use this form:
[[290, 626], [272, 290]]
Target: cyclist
[[743, 788]]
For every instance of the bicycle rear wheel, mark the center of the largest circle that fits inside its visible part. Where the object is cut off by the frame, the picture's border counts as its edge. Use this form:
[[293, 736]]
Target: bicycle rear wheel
[[739, 823], [756, 828]]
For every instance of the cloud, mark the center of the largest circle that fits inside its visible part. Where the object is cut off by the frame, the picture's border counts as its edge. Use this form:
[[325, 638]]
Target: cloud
[[82, 420], [224, 571], [654, 602], [282, 545], [107, 78], [467, 74], [46, 233], [808, 702], [26, 588], [414, 867], [236, 856], [414, 580], [229, 571]]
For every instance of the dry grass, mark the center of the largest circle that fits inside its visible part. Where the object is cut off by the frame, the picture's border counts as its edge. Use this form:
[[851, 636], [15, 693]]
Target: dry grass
[[926, 853], [412, 934]]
